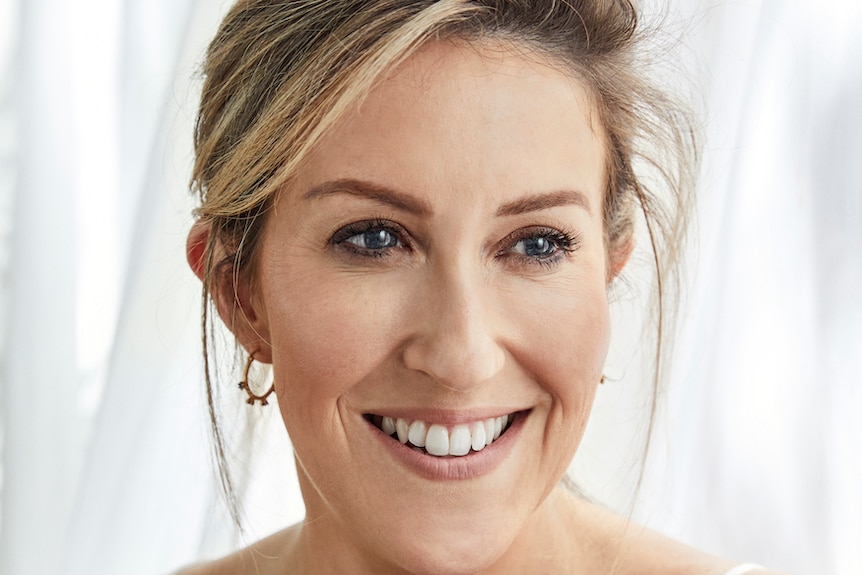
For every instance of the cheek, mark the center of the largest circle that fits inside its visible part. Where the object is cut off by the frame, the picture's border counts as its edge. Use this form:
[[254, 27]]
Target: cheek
[[563, 344], [328, 331], [564, 335]]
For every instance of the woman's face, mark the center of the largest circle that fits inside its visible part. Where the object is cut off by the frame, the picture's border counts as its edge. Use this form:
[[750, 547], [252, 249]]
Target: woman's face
[[439, 262]]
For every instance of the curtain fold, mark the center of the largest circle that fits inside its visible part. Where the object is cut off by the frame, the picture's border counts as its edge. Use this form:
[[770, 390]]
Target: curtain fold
[[106, 459], [41, 433], [768, 364]]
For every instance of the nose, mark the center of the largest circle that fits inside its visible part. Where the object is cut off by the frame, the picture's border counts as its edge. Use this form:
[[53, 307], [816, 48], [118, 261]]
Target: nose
[[453, 337]]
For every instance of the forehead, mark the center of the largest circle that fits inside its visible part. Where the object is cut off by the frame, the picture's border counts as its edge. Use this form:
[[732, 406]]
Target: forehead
[[469, 118]]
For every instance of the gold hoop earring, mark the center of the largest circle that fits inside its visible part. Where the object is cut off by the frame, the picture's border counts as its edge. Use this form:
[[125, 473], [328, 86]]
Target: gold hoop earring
[[252, 398]]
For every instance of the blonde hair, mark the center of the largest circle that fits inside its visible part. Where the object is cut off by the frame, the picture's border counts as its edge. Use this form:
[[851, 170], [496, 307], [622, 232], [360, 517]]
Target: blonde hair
[[280, 73]]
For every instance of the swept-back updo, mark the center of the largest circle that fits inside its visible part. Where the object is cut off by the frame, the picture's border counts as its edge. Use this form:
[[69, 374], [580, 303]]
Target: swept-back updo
[[280, 73]]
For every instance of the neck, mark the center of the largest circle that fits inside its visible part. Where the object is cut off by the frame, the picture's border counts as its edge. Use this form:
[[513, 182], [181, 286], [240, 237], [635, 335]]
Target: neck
[[549, 542]]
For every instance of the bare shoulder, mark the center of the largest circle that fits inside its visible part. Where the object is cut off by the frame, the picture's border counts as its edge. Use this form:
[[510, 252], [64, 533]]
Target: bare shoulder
[[634, 549], [269, 555]]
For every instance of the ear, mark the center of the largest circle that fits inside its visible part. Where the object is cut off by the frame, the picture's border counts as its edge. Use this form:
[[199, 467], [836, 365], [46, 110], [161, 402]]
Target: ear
[[619, 256], [196, 247], [240, 310]]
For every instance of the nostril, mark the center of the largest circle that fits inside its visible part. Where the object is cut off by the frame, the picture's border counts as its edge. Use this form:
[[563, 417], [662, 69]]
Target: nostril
[[454, 337]]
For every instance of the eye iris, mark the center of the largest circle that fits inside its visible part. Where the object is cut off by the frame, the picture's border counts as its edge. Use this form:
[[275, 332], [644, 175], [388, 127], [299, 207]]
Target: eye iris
[[537, 247], [378, 239]]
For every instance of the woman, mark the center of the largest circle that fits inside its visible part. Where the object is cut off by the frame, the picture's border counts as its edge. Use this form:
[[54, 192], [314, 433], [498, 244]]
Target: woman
[[414, 211]]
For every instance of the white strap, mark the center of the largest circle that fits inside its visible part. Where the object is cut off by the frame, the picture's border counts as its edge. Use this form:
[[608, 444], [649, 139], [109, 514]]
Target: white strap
[[745, 568]]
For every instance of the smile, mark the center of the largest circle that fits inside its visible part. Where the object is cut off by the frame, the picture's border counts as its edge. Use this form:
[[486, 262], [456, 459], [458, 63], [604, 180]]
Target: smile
[[441, 440]]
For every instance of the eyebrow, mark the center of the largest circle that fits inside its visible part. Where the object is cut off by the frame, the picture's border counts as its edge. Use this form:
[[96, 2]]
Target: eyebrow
[[375, 192], [534, 203], [415, 206]]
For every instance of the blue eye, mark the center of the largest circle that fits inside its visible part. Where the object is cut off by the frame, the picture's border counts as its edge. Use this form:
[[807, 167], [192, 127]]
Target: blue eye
[[377, 239], [535, 247], [540, 245], [371, 238]]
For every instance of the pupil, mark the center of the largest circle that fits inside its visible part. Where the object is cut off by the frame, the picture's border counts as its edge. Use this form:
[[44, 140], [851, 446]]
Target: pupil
[[378, 239], [537, 246]]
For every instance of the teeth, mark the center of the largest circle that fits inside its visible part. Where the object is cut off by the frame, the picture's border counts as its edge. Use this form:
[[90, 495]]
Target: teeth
[[488, 424], [417, 433], [459, 440], [437, 440], [440, 441], [478, 436], [388, 425], [403, 430]]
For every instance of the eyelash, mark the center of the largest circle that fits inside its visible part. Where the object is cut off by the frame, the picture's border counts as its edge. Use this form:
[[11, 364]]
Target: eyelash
[[341, 237], [564, 242]]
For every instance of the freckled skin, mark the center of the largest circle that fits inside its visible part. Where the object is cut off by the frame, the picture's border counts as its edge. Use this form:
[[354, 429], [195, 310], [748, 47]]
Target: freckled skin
[[456, 316]]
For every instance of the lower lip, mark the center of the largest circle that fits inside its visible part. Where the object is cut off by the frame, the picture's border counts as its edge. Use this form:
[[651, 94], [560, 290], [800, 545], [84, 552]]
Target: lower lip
[[449, 468]]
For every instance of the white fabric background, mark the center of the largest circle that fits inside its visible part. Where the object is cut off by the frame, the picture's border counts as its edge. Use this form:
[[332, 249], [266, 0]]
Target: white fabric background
[[105, 458]]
